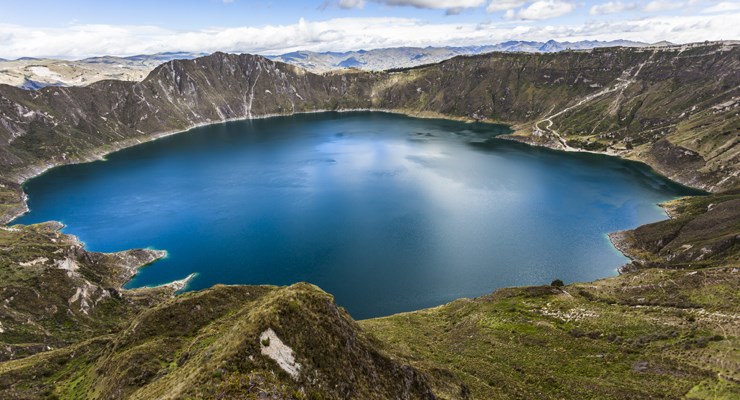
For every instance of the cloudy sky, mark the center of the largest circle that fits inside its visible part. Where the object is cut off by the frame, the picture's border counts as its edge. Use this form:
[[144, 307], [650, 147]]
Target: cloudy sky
[[83, 28]]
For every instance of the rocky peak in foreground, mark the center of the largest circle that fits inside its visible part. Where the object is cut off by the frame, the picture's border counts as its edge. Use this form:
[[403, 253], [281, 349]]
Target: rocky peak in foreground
[[69, 329]]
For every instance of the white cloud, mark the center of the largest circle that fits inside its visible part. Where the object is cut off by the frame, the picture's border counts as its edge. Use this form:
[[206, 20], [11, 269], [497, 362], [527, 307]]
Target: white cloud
[[79, 41], [500, 5], [434, 3], [542, 9], [452, 6], [351, 3], [724, 6], [663, 5], [611, 7]]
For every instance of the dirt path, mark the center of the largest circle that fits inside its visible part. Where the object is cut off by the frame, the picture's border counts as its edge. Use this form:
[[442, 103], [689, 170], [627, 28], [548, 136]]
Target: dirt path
[[623, 82]]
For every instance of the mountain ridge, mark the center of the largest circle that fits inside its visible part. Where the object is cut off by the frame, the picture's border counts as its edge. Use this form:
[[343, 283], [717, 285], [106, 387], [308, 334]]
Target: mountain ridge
[[34, 73], [661, 115], [405, 57]]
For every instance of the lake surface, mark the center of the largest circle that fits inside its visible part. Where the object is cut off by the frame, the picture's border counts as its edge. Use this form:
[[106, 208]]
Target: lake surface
[[387, 213]]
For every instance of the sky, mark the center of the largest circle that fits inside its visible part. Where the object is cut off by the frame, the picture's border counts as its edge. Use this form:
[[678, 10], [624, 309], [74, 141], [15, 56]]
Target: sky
[[84, 28]]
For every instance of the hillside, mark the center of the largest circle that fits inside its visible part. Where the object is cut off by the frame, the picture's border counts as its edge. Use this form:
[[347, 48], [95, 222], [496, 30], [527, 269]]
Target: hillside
[[43, 270], [407, 57], [94, 339], [670, 107], [35, 73], [57, 125], [675, 109], [663, 329], [666, 328]]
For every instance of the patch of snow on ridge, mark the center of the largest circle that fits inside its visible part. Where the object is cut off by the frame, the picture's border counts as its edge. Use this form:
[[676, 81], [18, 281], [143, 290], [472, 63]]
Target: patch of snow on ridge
[[45, 72], [274, 348]]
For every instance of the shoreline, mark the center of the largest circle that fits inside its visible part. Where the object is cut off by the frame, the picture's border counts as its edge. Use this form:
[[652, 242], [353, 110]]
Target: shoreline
[[619, 241], [521, 136], [35, 170], [99, 154]]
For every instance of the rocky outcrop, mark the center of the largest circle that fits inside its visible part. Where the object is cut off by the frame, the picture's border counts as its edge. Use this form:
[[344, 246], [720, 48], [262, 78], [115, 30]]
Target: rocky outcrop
[[54, 292], [703, 231]]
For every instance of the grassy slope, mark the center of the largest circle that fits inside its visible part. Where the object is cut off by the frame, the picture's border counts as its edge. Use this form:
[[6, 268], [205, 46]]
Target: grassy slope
[[703, 233], [573, 342], [679, 115], [206, 345], [675, 109], [55, 293]]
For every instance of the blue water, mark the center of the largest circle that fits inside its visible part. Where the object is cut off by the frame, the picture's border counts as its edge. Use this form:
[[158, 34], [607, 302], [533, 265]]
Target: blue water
[[385, 212]]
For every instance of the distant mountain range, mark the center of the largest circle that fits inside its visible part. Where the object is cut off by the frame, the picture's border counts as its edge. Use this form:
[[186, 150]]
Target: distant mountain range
[[405, 57], [151, 60], [34, 73]]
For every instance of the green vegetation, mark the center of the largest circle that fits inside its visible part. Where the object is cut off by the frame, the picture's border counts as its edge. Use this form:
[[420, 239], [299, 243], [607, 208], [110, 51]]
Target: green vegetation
[[56, 293], [666, 328], [11, 200], [703, 233], [206, 345], [581, 341]]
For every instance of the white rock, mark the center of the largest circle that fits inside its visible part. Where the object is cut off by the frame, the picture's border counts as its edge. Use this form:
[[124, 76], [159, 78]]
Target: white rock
[[280, 352]]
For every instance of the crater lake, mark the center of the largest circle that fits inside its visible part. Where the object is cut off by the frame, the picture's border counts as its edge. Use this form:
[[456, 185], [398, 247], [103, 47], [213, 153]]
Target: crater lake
[[386, 212]]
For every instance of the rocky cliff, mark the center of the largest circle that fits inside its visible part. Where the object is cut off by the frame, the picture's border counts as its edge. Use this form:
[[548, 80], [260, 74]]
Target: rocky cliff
[[58, 125], [55, 293]]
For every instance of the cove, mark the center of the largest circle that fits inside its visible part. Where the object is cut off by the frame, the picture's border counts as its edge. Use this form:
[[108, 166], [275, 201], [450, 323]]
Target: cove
[[388, 213]]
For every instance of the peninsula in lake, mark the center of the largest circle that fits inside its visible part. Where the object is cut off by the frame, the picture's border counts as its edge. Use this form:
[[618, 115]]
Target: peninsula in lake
[[529, 219]]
